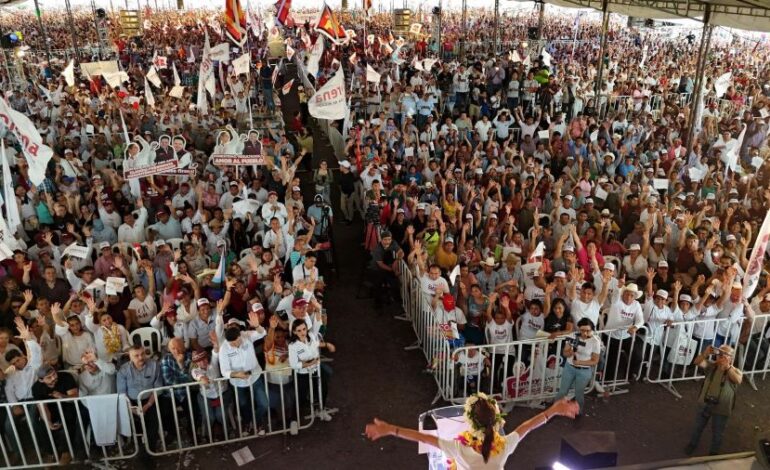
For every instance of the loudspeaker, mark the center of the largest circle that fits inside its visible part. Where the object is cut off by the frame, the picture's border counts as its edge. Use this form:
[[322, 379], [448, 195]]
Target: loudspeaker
[[586, 449], [533, 32]]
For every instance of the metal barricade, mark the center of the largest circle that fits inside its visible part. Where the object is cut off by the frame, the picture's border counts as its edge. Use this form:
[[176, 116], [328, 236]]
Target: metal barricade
[[753, 352], [31, 438], [183, 418], [672, 349], [530, 371]]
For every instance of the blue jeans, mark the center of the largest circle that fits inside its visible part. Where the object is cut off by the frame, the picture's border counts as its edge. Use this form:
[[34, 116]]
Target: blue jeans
[[720, 340], [718, 424], [577, 377], [268, 95], [261, 402]]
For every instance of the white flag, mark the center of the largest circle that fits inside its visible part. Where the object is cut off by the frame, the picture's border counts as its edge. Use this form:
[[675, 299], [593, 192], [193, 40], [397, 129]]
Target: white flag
[[11, 206], [69, 73], [546, 58], [315, 56], [372, 75], [115, 79], [37, 154], [329, 101], [7, 242], [220, 53], [125, 131], [388, 83], [427, 64], [206, 69], [177, 91], [287, 87], [515, 57], [148, 96], [191, 57], [289, 52], [152, 76], [45, 91], [722, 83], [754, 269], [177, 81], [241, 64]]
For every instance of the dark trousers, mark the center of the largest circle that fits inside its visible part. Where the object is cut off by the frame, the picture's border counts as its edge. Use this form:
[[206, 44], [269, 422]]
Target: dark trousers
[[305, 381], [718, 425]]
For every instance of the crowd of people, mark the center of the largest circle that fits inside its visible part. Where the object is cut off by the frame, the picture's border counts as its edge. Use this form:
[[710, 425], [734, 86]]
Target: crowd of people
[[460, 158]]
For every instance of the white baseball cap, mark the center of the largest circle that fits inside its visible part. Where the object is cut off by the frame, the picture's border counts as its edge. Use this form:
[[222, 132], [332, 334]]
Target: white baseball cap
[[662, 294], [634, 246]]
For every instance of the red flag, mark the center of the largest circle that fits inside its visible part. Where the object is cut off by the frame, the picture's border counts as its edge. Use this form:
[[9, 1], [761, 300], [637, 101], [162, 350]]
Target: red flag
[[282, 12], [367, 6], [329, 26], [235, 22]]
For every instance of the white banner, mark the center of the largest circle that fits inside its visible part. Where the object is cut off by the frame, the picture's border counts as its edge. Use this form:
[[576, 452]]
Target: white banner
[[115, 79], [329, 101], [372, 75], [205, 70], [241, 64], [148, 96], [99, 68], [11, 205], [37, 154], [757, 260], [176, 92], [76, 251], [177, 81]]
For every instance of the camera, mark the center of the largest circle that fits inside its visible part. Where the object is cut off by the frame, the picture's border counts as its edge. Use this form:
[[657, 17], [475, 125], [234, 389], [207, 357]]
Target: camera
[[576, 341]]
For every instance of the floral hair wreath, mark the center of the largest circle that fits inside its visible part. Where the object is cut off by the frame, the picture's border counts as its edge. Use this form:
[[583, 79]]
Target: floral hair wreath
[[468, 413]]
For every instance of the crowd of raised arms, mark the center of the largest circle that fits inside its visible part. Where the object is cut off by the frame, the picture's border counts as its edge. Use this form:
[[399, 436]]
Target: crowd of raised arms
[[459, 156]]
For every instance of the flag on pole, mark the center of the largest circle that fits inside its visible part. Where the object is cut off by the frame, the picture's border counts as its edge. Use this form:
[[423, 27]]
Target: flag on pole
[[329, 26], [722, 83], [160, 61], [204, 72], [287, 87], [314, 59], [219, 276], [152, 76], [241, 64], [235, 22], [177, 81], [148, 96], [11, 205], [35, 151], [282, 9], [69, 73], [372, 75], [329, 101], [757, 260], [289, 52], [123, 123]]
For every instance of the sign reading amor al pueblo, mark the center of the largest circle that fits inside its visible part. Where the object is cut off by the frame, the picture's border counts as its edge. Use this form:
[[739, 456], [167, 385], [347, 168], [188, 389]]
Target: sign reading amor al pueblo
[[224, 159]]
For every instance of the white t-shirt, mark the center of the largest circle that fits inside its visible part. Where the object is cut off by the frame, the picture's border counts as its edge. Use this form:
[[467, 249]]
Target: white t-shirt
[[622, 317], [580, 310], [530, 325], [500, 334], [145, 310], [584, 352], [429, 286], [470, 366], [466, 458]]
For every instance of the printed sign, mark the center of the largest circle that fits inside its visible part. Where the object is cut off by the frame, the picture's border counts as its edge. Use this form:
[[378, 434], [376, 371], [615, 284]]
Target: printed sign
[[237, 160], [150, 170]]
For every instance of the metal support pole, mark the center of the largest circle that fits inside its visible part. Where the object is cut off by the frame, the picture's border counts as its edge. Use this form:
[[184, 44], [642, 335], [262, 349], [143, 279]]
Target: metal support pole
[[440, 45], [42, 33], [72, 29], [465, 30], [695, 104], [540, 19], [602, 50], [497, 26], [98, 32]]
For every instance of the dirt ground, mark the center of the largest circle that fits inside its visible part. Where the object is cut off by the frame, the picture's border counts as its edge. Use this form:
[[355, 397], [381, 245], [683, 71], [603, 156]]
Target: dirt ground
[[374, 376]]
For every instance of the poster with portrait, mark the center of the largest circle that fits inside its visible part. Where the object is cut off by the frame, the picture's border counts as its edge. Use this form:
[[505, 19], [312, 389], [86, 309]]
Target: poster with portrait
[[238, 150]]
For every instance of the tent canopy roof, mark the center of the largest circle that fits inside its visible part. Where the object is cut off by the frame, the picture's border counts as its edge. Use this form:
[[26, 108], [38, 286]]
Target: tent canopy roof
[[752, 15]]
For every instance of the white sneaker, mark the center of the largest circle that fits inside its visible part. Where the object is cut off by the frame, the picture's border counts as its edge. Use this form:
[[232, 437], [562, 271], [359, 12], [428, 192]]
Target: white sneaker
[[293, 428], [598, 387]]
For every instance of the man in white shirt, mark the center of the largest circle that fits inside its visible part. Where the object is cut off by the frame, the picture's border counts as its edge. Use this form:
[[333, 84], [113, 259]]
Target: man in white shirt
[[585, 306], [307, 269], [97, 376], [273, 208], [432, 280], [132, 230], [624, 318], [18, 385]]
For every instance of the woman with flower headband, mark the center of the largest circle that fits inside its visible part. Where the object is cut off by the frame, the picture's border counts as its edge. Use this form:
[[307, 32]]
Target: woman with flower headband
[[483, 447]]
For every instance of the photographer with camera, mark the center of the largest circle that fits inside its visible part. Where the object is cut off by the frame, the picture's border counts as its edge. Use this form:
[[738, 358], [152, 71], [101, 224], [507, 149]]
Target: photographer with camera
[[717, 397], [582, 353]]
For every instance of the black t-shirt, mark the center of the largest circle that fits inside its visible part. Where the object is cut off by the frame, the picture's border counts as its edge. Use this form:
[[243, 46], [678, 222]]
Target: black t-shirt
[[64, 383], [554, 324]]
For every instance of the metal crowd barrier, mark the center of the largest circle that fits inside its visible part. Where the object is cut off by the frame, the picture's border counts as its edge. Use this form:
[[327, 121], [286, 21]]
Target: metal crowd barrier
[[30, 440], [194, 421], [430, 336]]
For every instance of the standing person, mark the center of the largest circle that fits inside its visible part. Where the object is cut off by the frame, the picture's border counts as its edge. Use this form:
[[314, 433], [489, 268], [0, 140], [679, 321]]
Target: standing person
[[582, 355], [717, 396], [469, 450], [305, 359]]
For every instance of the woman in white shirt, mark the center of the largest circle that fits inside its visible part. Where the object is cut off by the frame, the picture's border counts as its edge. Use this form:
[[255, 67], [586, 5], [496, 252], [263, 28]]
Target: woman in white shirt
[[238, 362], [169, 326], [305, 359], [482, 447], [582, 355]]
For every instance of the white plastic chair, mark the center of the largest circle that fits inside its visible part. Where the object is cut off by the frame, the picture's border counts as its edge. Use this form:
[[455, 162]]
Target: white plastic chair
[[175, 243], [149, 338], [244, 253]]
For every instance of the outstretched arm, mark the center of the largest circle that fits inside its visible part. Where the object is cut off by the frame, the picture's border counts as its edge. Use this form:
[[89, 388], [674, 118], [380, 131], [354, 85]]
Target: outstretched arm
[[378, 429]]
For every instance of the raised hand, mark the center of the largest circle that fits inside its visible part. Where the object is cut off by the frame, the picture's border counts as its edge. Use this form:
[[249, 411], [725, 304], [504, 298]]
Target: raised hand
[[254, 320]]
